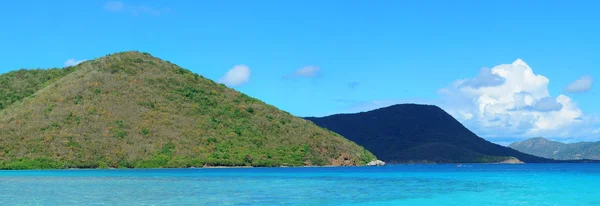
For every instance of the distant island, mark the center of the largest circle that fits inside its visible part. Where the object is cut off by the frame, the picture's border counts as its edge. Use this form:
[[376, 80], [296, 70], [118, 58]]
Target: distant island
[[132, 110], [412, 133], [557, 150]]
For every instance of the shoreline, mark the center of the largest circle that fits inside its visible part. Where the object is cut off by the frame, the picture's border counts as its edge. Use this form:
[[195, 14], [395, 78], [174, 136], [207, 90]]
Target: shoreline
[[323, 166]]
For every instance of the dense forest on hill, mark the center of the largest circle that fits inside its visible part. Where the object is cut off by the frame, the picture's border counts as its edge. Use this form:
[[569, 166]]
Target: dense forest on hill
[[412, 133]]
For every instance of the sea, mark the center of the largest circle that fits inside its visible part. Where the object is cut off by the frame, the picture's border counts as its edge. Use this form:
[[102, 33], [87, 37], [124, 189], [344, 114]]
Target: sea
[[433, 184]]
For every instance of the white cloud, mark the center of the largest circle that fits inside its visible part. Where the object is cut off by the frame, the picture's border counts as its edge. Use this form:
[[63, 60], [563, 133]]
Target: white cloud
[[114, 6], [485, 79], [308, 71], [583, 84], [72, 62], [236, 76], [547, 104], [511, 100]]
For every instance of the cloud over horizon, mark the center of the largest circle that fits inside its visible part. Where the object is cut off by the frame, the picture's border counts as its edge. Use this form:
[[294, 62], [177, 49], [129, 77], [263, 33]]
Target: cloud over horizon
[[583, 84], [511, 100], [236, 76], [485, 78]]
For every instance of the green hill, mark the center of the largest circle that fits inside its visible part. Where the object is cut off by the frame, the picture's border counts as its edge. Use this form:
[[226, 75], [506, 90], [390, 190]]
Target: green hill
[[133, 110], [412, 133], [557, 150], [16, 85]]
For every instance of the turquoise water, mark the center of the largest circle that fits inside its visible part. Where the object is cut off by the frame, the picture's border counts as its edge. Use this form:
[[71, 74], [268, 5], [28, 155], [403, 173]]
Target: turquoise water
[[472, 184]]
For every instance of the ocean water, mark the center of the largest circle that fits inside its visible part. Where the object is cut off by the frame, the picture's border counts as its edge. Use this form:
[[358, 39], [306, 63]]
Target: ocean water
[[471, 184]]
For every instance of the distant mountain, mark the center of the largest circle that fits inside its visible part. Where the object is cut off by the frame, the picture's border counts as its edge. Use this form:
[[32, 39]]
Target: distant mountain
[[407, 133], [133, 110], [556, 150]]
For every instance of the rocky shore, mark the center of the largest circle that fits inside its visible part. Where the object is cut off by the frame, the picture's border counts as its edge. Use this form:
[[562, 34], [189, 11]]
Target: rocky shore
[[511, 160], [376, 163]]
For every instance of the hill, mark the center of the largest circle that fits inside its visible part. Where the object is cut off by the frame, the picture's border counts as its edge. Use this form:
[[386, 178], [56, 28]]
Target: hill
[[133, 110], [411, 133], [556, 150], [16, 85]]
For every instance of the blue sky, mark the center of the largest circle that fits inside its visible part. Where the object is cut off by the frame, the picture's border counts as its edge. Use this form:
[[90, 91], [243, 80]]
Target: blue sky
[[315, 58]]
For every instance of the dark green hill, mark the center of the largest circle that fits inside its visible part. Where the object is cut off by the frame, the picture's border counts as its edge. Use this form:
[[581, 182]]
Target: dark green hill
[[133, 110], [557, 150], [418, 133]]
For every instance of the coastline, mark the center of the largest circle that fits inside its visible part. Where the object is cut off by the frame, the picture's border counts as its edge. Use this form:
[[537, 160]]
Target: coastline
[[507, 162], [203, 167]]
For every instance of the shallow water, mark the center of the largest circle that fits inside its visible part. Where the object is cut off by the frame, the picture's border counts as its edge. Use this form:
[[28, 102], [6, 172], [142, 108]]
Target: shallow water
[[472, 184]]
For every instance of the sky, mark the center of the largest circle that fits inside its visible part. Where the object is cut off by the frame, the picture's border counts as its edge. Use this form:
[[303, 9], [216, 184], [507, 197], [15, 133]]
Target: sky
[[508, 70]]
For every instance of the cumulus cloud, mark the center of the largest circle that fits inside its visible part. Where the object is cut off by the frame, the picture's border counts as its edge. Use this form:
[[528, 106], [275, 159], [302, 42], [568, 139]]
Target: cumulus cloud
[[72, 62], [583, 84], [236, 76], [524, 101], [308, 71], [511, 100], [485, 79], [547, 104]]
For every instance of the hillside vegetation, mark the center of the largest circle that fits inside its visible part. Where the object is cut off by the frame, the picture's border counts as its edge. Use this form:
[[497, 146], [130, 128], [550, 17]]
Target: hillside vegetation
[[411, 133], [16, 85], [557, 150], [133, 110]]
